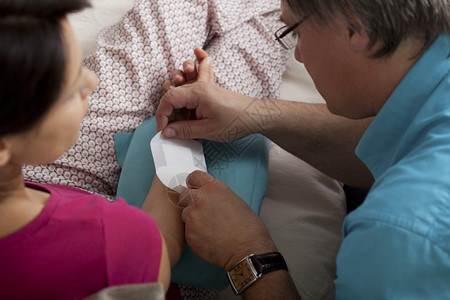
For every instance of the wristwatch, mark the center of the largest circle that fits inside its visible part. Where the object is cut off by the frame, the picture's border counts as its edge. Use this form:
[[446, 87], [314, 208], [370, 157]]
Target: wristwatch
[[252, 267]]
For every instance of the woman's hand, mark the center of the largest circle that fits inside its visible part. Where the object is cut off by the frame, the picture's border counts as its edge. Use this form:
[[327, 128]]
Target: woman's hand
[[190, 74]]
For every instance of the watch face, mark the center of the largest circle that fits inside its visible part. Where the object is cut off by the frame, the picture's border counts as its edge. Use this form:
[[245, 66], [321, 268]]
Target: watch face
[[252, 267], [242, 275]]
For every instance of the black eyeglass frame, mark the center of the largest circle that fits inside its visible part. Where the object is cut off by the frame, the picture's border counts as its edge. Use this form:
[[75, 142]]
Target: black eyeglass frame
[[279, 36]]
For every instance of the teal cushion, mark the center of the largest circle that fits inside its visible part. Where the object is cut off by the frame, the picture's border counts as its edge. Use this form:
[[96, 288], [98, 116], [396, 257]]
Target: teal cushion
[[242, 165]]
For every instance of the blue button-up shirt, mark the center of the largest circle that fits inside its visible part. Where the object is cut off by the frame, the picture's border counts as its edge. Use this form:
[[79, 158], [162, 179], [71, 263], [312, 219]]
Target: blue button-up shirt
[[397, 243]]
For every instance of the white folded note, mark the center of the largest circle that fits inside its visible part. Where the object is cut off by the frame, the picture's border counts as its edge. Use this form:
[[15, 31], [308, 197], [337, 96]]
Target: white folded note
[[175, 159]]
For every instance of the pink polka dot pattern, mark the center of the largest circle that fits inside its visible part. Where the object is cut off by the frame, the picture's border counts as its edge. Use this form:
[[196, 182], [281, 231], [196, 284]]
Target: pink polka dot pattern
[[136, 55]]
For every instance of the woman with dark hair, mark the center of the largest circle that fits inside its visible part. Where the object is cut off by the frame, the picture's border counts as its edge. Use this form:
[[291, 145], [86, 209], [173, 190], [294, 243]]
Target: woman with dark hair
[[58, 242]]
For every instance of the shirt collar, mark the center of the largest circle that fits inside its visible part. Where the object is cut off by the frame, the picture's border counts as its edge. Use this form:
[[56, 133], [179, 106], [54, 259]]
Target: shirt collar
[[379, 144]]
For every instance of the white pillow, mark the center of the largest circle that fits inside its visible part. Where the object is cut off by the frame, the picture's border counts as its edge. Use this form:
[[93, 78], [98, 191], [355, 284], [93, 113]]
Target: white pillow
[[304, 208], [88, 23]]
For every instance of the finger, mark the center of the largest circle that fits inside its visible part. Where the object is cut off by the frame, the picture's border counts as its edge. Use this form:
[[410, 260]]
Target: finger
[[174, 98], [190, 71], [183, 115], [205, 70], [193, 129], [178, 78], [167, 85], [198, 179], [200, 54], [189, 197], [184, 199], [184, 214]]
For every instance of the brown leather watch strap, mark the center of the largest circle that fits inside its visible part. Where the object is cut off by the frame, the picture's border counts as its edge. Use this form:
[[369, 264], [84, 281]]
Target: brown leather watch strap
[[268, 262]]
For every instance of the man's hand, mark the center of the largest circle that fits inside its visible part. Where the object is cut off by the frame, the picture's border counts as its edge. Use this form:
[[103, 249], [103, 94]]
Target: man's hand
[[219, 226], [193, 107]]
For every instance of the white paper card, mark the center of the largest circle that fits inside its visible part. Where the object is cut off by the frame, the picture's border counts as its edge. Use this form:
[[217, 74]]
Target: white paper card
[[175, 159]]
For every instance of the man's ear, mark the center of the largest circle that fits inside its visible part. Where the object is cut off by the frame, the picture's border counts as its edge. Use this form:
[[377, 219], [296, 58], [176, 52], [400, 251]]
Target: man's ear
[[358, 38], [5, 152]]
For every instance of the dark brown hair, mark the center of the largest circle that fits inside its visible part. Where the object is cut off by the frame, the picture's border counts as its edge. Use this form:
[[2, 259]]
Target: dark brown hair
[[32, 59]]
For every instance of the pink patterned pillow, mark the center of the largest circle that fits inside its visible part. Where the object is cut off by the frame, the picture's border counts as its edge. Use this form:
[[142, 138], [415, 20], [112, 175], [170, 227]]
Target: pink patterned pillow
[[135, 56]]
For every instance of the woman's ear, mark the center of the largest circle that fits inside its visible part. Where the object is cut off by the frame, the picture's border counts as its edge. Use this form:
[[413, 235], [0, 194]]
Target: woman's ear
[[5, 152]]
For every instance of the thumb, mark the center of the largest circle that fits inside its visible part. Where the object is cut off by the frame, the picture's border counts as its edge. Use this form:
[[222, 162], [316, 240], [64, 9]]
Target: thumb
[[205, 71], [192, 129], [198, 179]]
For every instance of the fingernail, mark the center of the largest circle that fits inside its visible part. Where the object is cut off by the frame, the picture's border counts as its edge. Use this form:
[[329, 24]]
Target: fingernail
[[169, 133], [208, 60]]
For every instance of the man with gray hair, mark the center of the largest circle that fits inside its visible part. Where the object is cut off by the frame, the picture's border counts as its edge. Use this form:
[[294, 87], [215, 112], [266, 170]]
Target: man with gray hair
[[382, 67]]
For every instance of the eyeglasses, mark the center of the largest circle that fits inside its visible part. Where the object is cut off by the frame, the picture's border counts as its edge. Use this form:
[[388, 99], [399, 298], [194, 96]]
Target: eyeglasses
[[286, 35]]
